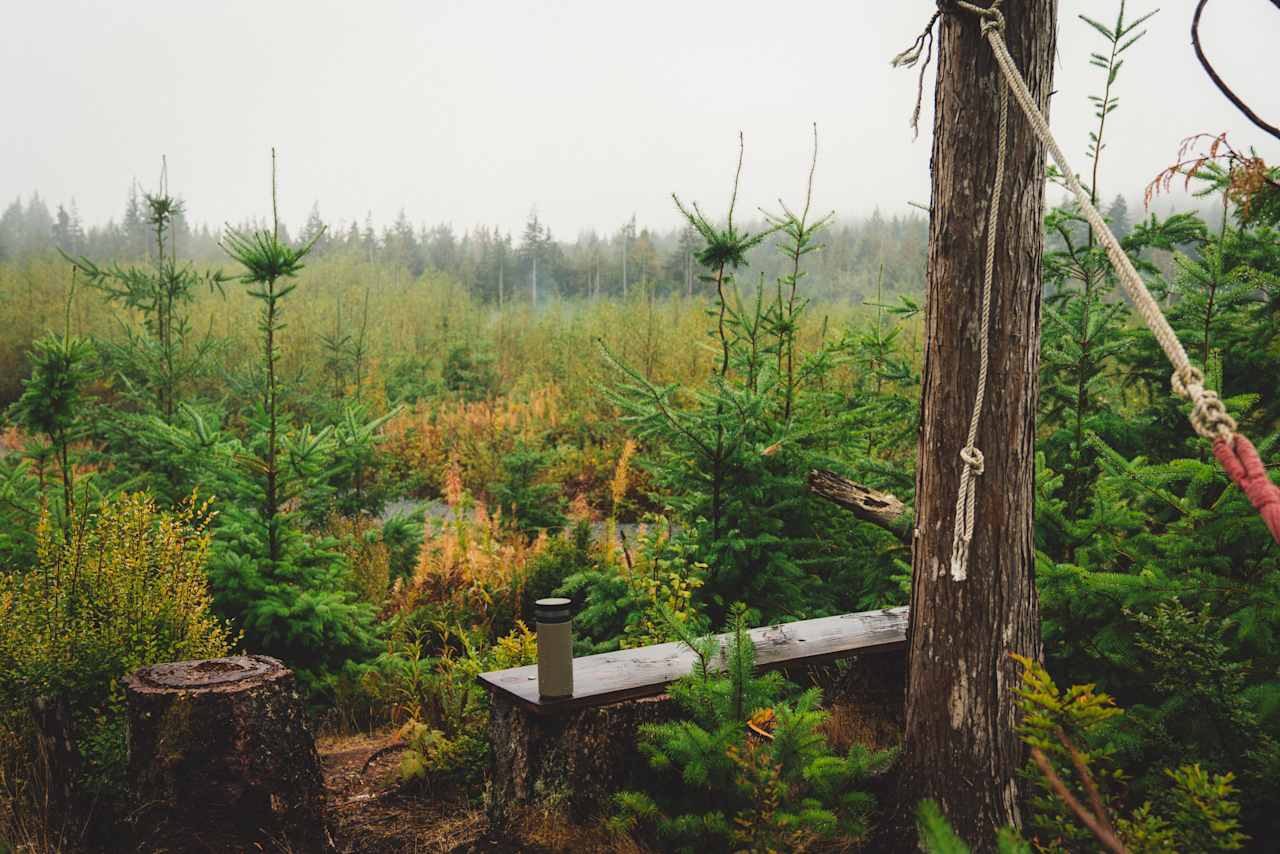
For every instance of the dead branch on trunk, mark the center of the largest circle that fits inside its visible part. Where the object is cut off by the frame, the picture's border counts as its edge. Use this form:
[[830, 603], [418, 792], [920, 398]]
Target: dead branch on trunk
[[870, 505]]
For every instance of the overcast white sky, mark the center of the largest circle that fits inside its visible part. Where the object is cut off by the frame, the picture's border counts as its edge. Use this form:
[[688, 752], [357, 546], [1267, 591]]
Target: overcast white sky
[[470, 112]]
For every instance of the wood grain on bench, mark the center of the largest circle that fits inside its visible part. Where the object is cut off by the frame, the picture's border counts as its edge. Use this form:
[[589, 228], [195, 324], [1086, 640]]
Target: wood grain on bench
[[647, 671]]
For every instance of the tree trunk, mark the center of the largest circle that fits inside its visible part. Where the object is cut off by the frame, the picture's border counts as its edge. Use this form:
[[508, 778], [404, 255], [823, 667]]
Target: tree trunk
[[221, 758], [960, 745]]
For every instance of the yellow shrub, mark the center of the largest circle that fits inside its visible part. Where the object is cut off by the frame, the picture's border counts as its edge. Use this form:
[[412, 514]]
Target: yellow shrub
[[127, 588], [514, 649], [469, 439]]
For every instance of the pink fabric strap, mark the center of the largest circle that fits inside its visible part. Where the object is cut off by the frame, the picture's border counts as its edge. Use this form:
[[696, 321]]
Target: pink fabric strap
[[1241, 462]]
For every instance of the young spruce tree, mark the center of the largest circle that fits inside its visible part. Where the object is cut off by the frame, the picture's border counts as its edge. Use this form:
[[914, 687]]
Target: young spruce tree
[[287, 589]]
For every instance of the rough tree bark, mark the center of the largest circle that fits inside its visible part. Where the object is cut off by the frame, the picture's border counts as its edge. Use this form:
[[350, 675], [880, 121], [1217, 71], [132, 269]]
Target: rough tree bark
[[221, 758], [960, 746], [58, 762]]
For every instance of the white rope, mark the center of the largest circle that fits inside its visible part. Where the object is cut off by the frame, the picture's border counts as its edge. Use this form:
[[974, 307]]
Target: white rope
[[1208, 416], [971, 458]]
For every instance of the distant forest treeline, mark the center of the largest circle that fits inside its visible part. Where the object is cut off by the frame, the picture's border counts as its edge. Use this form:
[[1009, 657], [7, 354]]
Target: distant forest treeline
[[497, 266]]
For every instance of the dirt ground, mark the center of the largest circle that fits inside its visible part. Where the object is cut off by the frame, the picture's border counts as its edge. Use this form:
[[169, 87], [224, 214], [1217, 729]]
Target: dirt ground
[[373, 815]]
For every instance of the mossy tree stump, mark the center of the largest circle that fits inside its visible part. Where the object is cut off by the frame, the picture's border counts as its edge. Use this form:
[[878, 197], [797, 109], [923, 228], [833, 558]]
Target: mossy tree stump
[[221, 758], [576, 760]]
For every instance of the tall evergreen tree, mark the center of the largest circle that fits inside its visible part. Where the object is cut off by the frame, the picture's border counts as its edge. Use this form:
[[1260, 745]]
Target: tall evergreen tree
[[158, 362], [68, 234], [1118, 217], [314, 232], [288, 590], [400, 242], [133, 225], [55, 407], [11, 230], [533, 248]]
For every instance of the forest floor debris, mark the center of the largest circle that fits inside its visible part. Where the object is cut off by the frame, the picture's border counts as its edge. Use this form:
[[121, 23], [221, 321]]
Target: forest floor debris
[[373, 813]]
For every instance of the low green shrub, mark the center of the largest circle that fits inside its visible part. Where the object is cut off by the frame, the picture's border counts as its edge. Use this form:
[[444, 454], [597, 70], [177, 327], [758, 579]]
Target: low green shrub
[[744, 769], [426, 682], [637, 594]]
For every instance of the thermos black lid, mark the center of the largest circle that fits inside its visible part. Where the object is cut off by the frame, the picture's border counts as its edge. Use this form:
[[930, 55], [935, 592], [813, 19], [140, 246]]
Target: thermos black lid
[[556, 609]]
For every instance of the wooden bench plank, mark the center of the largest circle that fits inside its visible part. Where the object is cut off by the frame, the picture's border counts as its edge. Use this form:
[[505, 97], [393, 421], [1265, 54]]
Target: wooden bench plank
[[647, 671]]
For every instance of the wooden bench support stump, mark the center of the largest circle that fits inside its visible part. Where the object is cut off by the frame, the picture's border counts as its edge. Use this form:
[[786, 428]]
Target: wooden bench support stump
[[866, 701], [221, 758], [577, 760]]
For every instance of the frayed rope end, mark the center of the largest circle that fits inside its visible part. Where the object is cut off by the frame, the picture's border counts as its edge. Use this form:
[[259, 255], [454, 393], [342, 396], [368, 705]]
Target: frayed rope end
[[908, 58]]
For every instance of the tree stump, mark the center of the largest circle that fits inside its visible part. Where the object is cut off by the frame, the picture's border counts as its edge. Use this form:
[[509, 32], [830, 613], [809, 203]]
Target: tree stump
[[576, 759], [221, 758], [867, 699]]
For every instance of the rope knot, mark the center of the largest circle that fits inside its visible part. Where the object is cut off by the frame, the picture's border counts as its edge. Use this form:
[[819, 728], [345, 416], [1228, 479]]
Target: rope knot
[[993, 21], [1185, 379], [1208, 416], [992, 18], [973, 458]]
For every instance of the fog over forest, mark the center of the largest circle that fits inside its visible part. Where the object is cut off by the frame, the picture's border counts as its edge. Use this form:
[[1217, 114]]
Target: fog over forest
[[456, 116]]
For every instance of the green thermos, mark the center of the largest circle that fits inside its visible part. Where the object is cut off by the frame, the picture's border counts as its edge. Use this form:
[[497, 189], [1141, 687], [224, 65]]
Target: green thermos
[[554, 620]]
